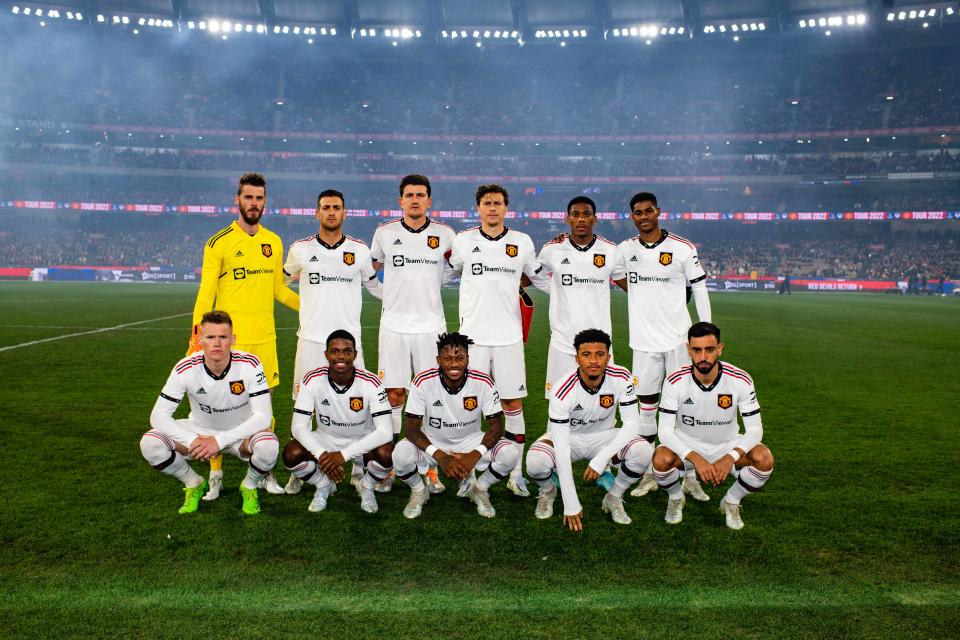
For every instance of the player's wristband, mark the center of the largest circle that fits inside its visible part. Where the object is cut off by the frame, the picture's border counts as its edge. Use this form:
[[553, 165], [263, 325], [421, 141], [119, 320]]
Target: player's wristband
[[733, 453], [482, 449], [430, 450]]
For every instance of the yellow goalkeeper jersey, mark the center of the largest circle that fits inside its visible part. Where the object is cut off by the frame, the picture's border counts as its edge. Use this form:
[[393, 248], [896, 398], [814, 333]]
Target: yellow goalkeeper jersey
[[242, 275]]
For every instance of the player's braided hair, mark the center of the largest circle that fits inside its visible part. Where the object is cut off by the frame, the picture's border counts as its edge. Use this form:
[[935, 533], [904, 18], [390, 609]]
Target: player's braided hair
[[454, 340], [590, 336]]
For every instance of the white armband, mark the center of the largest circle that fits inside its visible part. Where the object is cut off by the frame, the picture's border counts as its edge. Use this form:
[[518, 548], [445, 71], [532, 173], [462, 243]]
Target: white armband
[[482, 449], [430, 450], [735, 454]]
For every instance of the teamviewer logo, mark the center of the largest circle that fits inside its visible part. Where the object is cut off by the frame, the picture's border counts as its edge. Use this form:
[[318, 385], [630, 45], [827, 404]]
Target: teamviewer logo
[[398, 261], [477, 269], [566, 279], [239, 273]]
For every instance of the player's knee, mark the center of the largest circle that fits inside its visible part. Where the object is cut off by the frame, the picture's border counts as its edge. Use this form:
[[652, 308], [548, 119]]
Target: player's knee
[[761, 458], [154, 447], [639, 454], [404, 456], [664, 459], [539, 460], [294, 453], [265, 446], [512, 405], [396, 397], [383, 455], [506, 455]]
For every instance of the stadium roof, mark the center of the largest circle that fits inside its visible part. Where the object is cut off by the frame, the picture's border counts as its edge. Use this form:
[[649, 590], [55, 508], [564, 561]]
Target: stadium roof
[[495, 21]]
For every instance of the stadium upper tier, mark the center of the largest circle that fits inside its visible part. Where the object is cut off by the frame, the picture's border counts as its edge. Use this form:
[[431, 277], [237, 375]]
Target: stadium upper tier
[[164, 82]]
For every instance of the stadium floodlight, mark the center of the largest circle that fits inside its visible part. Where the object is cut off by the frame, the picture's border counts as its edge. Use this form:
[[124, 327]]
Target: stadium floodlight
[[454, 36], [803, 24], [891, 16], [616, 33], [476, 34], [486, 34], [902, 15], [15, 9], [913, 14], [285, 29], [333, 31], [125, 20], [932, 12], [680, 30], [723, 29], [237, 27], [249, 28], [736, 38], [949, 11], [922, 13], [734, 27], [634, 31]]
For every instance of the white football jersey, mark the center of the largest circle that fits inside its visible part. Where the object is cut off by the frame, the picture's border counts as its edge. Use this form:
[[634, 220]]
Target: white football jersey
[[330, 280], [657, 276], [450, 415], [575, 410], [706, 417], [353, 413], [217, 403], [579, 287], [413, 263], [490, 270]]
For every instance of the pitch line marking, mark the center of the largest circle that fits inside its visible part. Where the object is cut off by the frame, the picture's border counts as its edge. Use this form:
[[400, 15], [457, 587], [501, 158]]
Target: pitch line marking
[[90, 332]]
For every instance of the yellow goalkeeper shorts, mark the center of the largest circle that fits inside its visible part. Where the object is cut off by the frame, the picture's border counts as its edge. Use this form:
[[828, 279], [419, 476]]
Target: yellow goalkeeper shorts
[[267, 354]]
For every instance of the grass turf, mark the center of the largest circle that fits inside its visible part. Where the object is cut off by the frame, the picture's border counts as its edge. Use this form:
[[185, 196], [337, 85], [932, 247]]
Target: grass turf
[[855, 535]]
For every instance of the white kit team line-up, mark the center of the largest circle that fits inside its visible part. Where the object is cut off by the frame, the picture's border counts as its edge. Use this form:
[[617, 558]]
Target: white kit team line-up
[[439, 387]]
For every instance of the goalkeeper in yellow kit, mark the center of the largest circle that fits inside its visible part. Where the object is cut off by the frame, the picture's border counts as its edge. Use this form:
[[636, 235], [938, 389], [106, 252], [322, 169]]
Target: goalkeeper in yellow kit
[[242, 275]]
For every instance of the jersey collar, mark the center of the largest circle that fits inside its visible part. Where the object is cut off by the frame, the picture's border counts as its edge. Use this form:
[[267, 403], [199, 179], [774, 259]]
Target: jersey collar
[[454, 390], [411, 229], [336, 387], [663, 236], [225, 371], [585, 247], [716, 380], [592, 392], [491, 238], [343, 238]]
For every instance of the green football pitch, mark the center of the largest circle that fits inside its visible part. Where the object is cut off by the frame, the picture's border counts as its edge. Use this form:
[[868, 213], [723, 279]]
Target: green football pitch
[[857, 534]]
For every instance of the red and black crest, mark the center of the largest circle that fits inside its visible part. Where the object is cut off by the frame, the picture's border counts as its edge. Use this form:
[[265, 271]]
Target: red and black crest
[[470, 403], [356, 404], [599, 260], [237, 387], [666, 258], [512, 250], [606, 400], [267, 250], [433, 241], [349, 258], [725, 400]]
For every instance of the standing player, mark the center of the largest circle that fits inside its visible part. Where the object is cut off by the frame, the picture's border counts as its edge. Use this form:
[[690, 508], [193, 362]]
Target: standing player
[[443, 428], [491, 260], [331, 268], [658, 265], [242, 275], [230, 411], [698, 428], [411, 251], [353, 423]]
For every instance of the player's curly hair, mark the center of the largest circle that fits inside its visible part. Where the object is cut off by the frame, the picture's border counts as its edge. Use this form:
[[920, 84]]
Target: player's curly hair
[[453, 339], [341, 334], [590, 336]]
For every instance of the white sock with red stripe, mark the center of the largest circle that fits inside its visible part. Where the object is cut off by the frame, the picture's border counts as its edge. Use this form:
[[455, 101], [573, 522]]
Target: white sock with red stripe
[[160, 451], [748, 480], [516, 426], [376, 473], [634, 460], [264, 448], [502, 461], [670, 481]]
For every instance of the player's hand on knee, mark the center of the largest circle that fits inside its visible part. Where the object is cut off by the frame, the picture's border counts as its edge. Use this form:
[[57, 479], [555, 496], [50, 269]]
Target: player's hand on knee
[[331, 464], [204, 447], [574, 522], [468, 460], [722, 468], [449, 464]]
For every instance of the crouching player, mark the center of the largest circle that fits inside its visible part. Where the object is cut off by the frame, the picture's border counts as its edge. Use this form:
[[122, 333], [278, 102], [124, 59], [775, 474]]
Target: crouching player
[[353, 423], [443, 415], [582, 426], [698, 428], [229, 411]]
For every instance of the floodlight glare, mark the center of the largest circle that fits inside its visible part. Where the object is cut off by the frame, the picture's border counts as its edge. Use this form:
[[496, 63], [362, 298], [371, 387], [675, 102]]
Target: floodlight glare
[[15, 9], [890, 17], [923, 13], [913, 14]]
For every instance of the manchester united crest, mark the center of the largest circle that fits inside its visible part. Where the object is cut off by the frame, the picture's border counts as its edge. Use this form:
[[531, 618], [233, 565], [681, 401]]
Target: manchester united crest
[[470, 403], [349, 257], [356, 404], [433, 241], [599, 260], [724, 400], [606, 400], [666, 258], [267, 250], [512, 250], [236, 387]]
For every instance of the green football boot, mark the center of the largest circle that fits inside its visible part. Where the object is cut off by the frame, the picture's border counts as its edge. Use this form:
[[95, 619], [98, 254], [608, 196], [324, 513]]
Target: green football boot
[[251, 501], [191, 499]]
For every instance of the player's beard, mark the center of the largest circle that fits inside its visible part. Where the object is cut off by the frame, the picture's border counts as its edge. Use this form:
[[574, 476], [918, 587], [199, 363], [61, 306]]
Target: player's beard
[[708, 369], [250, 218]]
